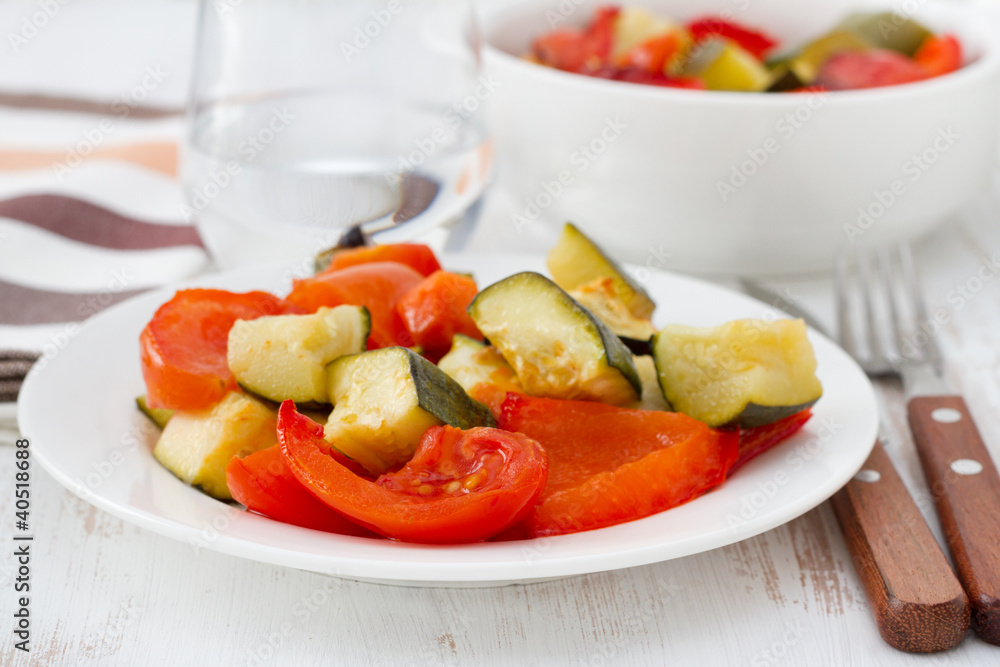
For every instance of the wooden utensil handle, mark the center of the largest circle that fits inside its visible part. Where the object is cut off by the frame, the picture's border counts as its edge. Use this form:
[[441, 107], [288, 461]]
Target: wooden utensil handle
[[919, 605], [966, 490]]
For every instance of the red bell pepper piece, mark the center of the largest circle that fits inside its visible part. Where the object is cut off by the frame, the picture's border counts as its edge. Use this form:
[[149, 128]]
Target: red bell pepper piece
[[460, 486], [378, 286], [417, 256], [755, 441], [266, 486], [434, 311], [608, 464], [755, 42], [939, 55]]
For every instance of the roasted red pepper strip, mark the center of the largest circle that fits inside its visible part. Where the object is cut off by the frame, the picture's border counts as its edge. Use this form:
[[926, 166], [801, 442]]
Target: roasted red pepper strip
[[939, 54], [183, 348], [753, 41], [755, 441], [417, 256], [460, 486], [378, 286], [266, 486], [608, 465], [434, 311]]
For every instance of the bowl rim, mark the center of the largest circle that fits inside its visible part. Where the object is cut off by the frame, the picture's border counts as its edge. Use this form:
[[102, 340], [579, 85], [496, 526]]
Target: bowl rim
[[987, 37]]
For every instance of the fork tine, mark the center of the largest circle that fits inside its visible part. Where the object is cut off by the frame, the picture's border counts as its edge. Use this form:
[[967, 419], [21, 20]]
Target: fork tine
[[840, 288], [889, 282], [876, 350], [911, 282]]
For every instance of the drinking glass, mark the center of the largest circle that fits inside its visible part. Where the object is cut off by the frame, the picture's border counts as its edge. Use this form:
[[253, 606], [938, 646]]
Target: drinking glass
[[318, 122]]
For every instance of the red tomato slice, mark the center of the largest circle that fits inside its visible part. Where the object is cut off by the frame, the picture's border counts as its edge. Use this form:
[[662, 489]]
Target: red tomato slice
[[266, 486], [184, 346], [460, 486], [434, 311], [753, 41], [939, 55], [417, 256], [578, 50], [608, 465], [758, 440], [854, 70], [378, 286]]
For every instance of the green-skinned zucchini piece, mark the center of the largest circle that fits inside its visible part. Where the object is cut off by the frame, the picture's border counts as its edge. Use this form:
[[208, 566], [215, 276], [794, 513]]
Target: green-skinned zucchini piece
[[745, 373], [471, 362], [385, 399], [887, 30], [601, 299], [284, 357], [558, 348], [159, 416], [576, 260], [197, 445]]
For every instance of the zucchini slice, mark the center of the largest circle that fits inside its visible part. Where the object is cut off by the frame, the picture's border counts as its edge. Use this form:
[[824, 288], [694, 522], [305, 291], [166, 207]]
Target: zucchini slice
[[576, 260], [197, 445], [385, 399], [159, 416], [557, 347], [745, 373], [601, 299], [284, 357], [471, 362]]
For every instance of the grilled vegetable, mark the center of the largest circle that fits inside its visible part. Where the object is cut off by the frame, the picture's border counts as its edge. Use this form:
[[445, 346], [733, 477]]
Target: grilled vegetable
[[745, 373], [159, 416], [576, 260], [557, 347], [385, 399], [887, 30], [600, 298], [285, 357], [471, 362], [723, 65], [197, 445]]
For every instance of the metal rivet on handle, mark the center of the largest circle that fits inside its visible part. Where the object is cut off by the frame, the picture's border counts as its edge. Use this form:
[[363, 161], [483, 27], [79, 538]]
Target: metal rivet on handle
[[967, 466], [946, 415], [868, 475]]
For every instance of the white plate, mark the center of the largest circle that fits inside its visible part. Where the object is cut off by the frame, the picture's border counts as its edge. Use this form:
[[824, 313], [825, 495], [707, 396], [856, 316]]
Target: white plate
[[79, 413]]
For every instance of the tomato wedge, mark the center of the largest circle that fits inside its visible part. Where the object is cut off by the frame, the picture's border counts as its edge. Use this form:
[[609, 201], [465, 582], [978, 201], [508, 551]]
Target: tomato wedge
[[758, 440], [460, 486], [854, 70], [652, 55], [183, 348], [575, 50], [753, 41], [434, 311], [377, 286], [608, 464], [939, 55], [266, 486], [417, 256]]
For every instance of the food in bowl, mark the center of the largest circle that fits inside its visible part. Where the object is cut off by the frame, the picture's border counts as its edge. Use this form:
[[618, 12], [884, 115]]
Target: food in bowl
[[713, 53], [534, 419]]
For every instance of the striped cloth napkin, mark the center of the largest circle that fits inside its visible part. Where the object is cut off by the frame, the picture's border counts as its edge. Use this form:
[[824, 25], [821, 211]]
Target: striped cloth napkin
[[89, 196]]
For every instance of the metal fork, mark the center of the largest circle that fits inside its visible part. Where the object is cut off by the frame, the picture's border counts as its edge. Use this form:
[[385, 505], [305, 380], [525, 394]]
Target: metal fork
[[960, 473]]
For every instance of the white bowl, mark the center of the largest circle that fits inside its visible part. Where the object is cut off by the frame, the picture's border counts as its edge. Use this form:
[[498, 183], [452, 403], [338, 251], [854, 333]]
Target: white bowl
[[741, 183]]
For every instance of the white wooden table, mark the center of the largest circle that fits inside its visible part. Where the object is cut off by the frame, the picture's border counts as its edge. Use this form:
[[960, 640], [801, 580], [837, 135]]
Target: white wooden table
[[107, 593]]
